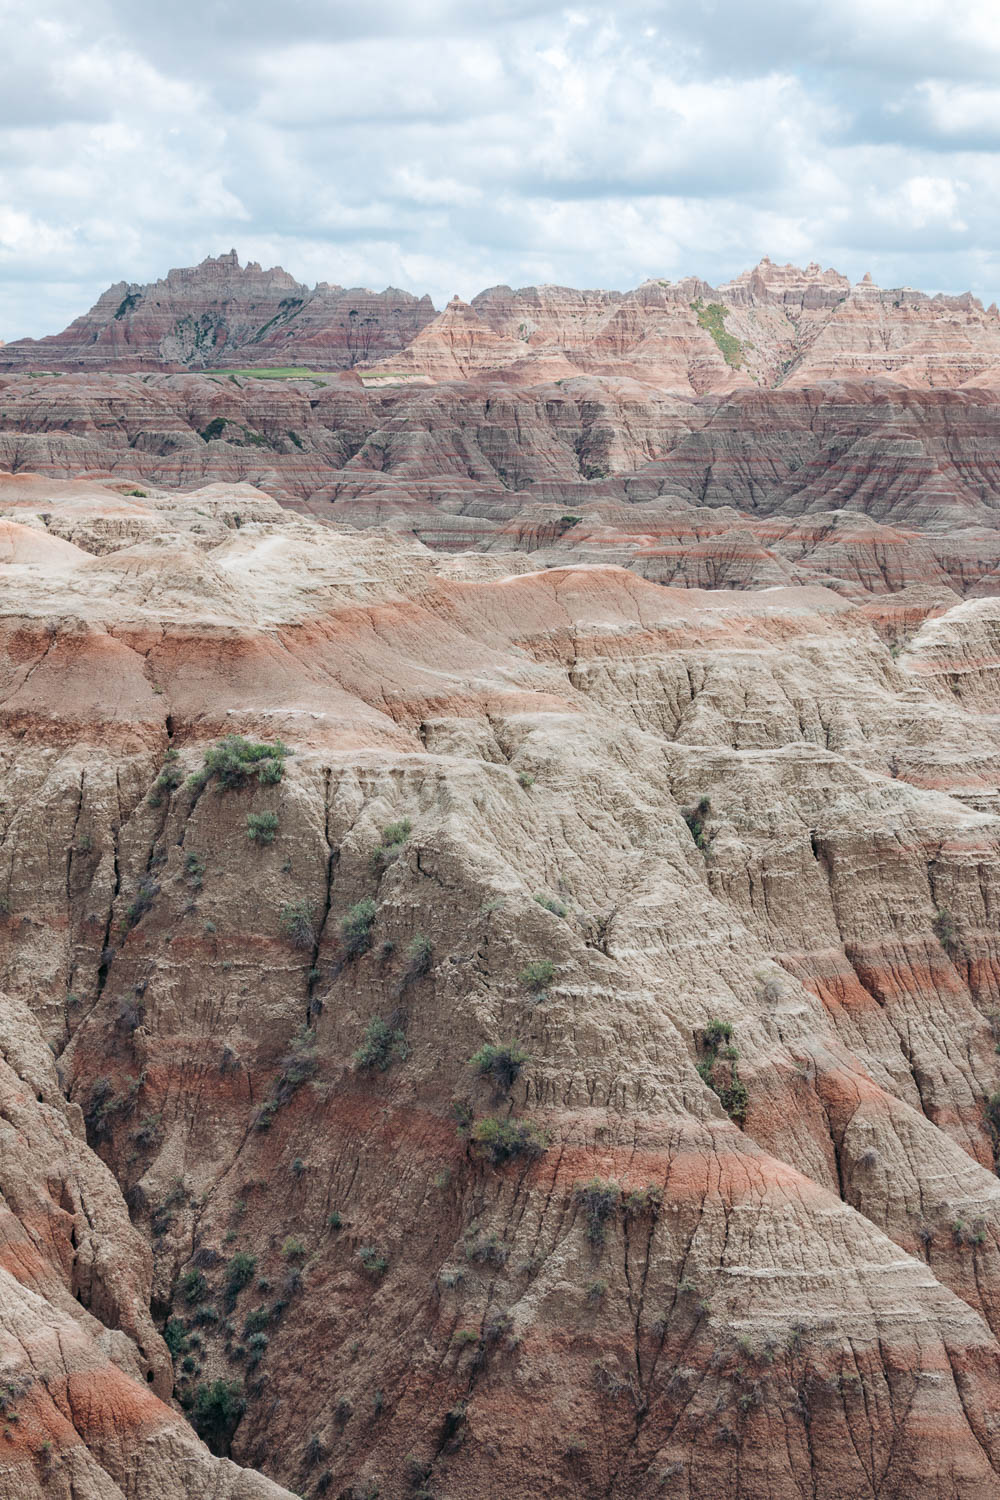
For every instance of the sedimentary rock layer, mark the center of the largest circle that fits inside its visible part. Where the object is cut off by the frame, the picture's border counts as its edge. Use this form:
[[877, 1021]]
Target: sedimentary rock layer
[[865, 488], [715, 876], [772, 326]]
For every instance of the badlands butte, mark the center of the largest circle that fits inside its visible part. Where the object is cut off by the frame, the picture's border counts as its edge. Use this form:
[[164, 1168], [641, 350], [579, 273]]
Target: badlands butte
[[499, 889]]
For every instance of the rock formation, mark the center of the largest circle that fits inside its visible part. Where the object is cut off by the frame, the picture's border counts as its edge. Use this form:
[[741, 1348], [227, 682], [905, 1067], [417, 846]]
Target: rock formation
[[499, 864], [561, 1055], [769, 327], [222, 314]]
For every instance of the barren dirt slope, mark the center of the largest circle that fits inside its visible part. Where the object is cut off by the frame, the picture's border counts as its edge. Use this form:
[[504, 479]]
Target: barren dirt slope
[[570, 1069]]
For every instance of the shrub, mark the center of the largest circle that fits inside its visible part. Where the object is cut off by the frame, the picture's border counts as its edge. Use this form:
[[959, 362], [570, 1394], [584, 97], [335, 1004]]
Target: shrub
[[170, 777], [373, 1260], [293, 1248], [297, 1066], [214, 429], [194, 869], [537, 976], [192, 1285], [464, 1336], [419, 953], [235, 759], [945, 931], [696, 818], [725, 1083], [596, 1290], [487, 1249], [525, 779], [551, 903], [334, 1221], [645, 1200], [394, 836], [261, 828], [239, 1272], [716, 1033], [257, 1344], [502, 1064], [175, 1337], [499, 1141], [599, 1201], [141, 903], [256, 1320], [297, 923], [356, 928], [380, 1045], [217, 1410], [149, 1131]]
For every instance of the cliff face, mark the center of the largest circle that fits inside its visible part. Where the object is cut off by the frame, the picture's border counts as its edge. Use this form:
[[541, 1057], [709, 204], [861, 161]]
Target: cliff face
[[858, 486], [714, 876], [222, 314], [769, 327]]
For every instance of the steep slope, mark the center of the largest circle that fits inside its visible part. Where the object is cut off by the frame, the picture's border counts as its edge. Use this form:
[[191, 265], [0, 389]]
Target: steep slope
[[487, 463], [220, 313], [769, 327], [714, 875]]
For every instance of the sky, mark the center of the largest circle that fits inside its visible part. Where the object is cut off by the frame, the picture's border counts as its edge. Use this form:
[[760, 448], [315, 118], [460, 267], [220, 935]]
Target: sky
[[445, 147]]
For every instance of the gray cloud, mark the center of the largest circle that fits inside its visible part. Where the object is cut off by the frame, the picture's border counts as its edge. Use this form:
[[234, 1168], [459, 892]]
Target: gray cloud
[[441, 147]]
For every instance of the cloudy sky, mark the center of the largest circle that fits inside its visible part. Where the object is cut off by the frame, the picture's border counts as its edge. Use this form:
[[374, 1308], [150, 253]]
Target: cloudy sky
[[444, 146]]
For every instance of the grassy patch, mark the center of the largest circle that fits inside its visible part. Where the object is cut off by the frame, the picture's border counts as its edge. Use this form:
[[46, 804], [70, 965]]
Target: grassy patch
[[713, 319], [281, 372]]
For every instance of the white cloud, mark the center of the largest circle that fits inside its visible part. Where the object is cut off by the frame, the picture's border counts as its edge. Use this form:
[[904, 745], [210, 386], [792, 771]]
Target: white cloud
[[431, 145]]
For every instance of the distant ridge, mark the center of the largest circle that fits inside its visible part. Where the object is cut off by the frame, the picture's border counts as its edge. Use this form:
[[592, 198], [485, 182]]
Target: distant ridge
[[773, 325]]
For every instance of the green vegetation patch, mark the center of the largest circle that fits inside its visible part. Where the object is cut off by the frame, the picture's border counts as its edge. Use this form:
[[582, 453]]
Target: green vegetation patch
[[718, 1069], [283, 372], [713, 319], [235, 759]]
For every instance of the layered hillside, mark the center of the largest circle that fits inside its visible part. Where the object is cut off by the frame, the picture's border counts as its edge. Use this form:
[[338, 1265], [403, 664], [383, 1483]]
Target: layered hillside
[[553, 1053], [769, 327], [222, 314], [855, 486]]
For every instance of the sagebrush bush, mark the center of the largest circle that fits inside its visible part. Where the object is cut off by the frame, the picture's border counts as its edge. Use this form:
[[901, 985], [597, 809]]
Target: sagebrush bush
[[500, 1140], [419, 953], [235, 759], [356, 928], [297, 923], [696, 819], [239, 1272], [261, 827], [394, 836], [381, 1045], [501, 1063], [217, 1410], [298, 1065], [374, 1262], [599, 1200], [537, 976]]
